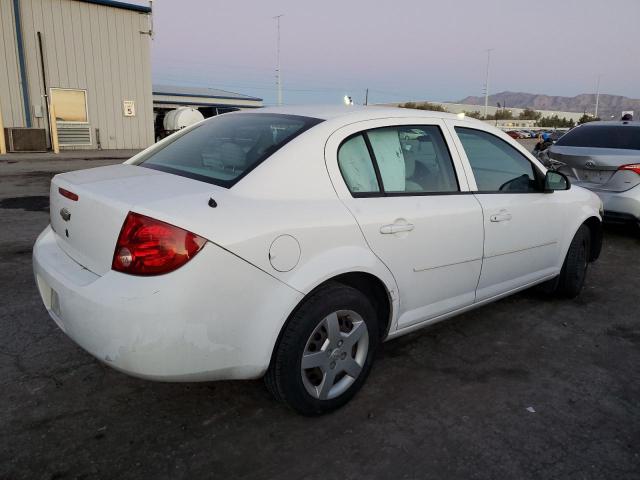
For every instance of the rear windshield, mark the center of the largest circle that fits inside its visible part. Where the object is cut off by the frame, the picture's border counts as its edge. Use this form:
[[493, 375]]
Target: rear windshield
[[603, 136], [223, 149]]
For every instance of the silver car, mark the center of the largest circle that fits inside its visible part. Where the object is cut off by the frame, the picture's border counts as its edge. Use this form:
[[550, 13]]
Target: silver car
[[605, 158]]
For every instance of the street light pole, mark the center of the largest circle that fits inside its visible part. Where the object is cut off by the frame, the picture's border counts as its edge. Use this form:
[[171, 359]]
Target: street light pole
[[486, 84], [278, 75]]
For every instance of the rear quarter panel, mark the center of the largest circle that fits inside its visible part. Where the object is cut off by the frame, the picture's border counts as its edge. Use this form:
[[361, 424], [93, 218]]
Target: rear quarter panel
[[291, 194]]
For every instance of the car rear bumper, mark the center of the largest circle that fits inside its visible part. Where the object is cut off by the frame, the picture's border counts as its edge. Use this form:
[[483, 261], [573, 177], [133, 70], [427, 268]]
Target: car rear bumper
[[620, 218], [217, 317], [621, 206]]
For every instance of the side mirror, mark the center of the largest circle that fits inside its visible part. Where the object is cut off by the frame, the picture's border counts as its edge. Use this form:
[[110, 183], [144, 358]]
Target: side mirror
[[556, 181]]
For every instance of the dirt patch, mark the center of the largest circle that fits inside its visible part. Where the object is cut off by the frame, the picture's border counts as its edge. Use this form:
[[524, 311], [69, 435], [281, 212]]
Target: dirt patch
[[630, 333]]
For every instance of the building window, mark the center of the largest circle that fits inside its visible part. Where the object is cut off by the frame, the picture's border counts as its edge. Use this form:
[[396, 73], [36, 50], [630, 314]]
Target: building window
[[70, 105]]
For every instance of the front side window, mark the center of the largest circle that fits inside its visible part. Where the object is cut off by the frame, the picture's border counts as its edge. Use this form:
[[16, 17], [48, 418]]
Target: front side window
[[497, 166], [223, 149]]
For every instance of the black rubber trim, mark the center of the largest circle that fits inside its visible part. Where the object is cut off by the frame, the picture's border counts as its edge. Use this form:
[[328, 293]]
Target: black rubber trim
[[620, 218]]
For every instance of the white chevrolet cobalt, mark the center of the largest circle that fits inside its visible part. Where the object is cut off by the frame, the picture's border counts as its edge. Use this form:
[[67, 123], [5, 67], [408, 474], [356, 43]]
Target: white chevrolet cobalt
[[288, 242]]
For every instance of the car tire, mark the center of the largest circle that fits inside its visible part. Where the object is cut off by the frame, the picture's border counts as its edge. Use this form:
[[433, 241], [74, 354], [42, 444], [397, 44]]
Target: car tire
[[576, 263], [339, 360]]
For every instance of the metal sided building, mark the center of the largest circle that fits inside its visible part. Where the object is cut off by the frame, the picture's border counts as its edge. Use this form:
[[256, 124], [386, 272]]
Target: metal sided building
[[210, 101], [89, 59]]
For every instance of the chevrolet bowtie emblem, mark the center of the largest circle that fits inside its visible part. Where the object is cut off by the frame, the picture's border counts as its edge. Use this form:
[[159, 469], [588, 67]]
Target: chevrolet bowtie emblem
[[65, 214]]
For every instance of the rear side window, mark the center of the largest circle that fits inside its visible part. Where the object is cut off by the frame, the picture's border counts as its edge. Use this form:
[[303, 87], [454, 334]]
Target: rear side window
[[408, 159], [496, 165], [413, 160], [356, 166], [223, 149], [602, 136]]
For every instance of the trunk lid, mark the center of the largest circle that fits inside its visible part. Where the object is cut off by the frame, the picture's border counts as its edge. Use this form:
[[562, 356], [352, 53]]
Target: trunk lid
[[87, 229], [590, 166]]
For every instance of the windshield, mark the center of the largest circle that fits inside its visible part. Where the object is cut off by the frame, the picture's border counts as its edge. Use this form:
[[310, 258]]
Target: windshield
[[223, 149], [603, 136]]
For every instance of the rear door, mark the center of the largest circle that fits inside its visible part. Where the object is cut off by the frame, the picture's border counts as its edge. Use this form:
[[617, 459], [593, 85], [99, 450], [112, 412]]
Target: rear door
[[523, 226], [410, 198]]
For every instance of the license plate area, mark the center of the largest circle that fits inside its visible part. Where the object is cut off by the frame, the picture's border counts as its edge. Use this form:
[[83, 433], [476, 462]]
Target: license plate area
[[594, 176], [45, 291], [55, 302], [51, 300]]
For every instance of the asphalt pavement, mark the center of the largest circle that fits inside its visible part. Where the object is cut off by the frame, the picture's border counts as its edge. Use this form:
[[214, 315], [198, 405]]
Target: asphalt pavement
[[525, 388]]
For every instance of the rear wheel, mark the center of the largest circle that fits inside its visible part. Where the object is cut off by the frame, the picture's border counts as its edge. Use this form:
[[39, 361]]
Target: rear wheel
[[576, 263], [325, 352]]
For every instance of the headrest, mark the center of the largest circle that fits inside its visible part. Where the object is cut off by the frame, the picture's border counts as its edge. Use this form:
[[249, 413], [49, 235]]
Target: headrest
[[409, 164], [232, 156]]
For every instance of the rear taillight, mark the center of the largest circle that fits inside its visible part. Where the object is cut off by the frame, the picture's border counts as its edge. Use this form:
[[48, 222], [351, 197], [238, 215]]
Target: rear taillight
[[150, 247], [67, 194], [634, 167]]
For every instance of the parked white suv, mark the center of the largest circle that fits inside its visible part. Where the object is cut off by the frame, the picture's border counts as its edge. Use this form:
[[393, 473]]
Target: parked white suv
[[288, 242]]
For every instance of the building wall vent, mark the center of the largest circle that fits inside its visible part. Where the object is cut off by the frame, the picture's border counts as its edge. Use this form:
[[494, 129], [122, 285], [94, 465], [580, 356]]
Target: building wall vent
[[21, 139], [72, 135]]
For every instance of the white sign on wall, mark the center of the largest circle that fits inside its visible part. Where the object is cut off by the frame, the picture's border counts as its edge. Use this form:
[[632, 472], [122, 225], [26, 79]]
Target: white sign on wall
[[129, 107]]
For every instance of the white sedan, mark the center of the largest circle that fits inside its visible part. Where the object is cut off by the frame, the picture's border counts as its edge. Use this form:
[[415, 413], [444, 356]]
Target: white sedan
[[288, 242]]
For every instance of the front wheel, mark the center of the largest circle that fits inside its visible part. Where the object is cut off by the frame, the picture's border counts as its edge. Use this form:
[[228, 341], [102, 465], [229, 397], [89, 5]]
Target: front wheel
[[325, 352], [574, 268]]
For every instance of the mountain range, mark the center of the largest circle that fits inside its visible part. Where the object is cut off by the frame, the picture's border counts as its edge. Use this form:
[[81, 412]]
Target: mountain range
[[608, 105]]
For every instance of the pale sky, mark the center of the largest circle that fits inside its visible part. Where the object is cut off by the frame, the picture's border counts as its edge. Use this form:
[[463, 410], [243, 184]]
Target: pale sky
[[400, 50]]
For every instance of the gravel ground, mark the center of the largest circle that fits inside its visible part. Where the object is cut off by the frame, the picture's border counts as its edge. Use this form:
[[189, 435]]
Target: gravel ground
[[527, 387]]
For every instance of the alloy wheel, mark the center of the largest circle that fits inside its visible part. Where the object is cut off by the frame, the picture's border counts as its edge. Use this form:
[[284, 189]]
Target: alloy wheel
[[334, 354]]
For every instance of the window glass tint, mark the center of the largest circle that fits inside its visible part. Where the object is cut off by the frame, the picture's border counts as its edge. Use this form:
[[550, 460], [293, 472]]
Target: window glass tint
[[603, 136], [356, 166], [223, 148], [413, 159], [496, 165]]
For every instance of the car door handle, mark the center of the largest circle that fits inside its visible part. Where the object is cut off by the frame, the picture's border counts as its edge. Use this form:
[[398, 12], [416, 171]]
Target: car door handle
[[396, 228], [501, 216]]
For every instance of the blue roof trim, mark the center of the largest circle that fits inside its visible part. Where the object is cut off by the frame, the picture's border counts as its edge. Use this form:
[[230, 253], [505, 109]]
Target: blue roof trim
[[123, 5], [239, 97], [23, 69]]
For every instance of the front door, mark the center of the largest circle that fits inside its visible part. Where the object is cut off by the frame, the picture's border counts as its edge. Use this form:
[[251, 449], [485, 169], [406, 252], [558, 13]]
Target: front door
[[522, 224], [406, 191]]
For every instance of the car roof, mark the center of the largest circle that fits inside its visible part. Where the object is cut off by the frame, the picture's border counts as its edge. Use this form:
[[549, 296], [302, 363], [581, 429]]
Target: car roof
[[353, 112], [611, 123]]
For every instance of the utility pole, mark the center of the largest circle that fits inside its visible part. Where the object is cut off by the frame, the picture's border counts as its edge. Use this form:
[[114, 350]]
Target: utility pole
[[486, 84], [366, 97], [3, 145], [278, 75], [597, 95]]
